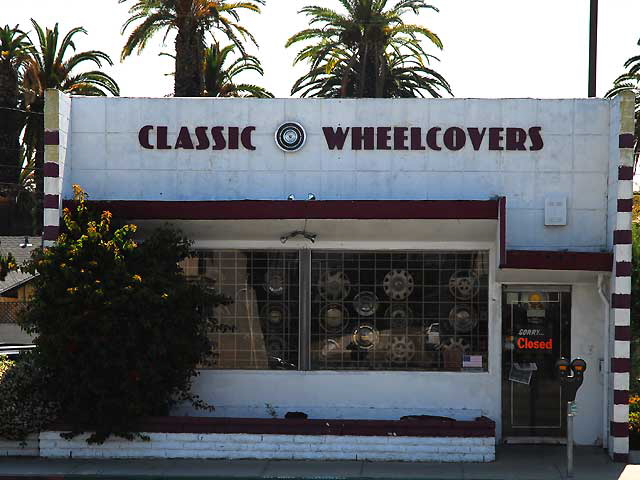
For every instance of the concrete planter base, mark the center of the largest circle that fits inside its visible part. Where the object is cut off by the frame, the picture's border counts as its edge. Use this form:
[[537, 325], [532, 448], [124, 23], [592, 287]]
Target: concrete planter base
[[276, 447], [12, 448]]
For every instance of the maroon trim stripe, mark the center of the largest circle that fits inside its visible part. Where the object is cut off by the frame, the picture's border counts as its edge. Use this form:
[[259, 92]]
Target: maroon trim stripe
[[620, 365], [623, 333], [623, 269], [626, 140], [284, 209], [622, 237], [620, 429], [51, 201], [435, 427], [625, 205], [51, 170], [621, 397], [621, 300], [52, 137], [549, 260], [502, 205], [50, 233], [625, 173], [621, 457]]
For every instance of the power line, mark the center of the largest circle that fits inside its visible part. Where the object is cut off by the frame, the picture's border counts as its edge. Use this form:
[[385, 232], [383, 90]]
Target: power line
[[30, 112]]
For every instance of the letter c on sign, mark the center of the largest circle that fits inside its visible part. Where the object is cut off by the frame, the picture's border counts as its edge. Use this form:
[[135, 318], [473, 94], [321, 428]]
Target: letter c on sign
[[522, 342], [143, 137], [245, 138]]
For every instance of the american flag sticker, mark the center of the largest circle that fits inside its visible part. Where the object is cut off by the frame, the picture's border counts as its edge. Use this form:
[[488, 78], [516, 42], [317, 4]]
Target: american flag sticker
[[472, 361]]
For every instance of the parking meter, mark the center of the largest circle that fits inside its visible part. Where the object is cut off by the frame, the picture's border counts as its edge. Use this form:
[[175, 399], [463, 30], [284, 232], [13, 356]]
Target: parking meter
[[579, 366], [563, 367], [571, 377]]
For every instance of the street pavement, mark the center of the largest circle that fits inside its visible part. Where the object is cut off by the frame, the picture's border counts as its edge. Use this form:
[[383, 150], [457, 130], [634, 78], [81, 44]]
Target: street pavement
[[516, 462]]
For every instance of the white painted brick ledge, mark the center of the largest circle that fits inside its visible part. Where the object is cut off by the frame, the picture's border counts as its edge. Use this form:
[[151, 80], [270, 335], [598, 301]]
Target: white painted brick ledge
[[12, 448], [276, 447]]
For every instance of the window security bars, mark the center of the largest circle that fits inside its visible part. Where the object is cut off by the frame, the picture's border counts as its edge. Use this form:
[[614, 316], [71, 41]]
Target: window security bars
[[342, 310], [259, 328]]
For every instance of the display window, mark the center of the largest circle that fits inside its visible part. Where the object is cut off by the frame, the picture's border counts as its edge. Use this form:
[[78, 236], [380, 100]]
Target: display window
[[346, 310], [258, 329]]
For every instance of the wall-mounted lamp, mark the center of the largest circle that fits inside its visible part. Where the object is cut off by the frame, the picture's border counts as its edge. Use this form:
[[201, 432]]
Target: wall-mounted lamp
[[309, 236], [311, 196], [291, 197]]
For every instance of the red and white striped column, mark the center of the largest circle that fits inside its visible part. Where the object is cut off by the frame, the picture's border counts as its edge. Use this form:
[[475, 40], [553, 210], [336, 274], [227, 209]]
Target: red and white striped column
[[57, 111], [621, 295]]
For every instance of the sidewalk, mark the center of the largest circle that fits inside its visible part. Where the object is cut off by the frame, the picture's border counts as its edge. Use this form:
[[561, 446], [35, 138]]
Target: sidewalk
[[513, 463]]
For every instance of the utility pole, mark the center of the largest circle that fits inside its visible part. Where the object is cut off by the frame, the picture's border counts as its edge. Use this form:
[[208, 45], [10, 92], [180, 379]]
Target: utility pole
[[593, 47]]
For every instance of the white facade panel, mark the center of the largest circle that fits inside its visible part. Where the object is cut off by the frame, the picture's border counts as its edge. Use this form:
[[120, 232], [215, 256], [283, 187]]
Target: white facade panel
[[577, 162], [573, 162]]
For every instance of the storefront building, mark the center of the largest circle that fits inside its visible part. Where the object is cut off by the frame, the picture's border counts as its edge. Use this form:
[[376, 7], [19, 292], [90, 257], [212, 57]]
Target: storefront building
[[385, 258]]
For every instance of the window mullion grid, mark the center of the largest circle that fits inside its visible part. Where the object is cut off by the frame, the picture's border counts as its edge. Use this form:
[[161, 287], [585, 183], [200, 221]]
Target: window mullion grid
[[304, 349]]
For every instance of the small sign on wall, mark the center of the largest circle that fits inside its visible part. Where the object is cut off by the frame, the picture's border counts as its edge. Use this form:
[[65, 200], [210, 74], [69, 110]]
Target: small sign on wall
[[555, 211]]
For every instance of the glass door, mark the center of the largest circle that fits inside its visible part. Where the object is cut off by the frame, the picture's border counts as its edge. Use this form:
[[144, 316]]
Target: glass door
[[536, 324]]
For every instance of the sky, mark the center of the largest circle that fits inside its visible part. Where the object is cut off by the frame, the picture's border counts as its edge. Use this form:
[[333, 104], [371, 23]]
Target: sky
[[492, 48]]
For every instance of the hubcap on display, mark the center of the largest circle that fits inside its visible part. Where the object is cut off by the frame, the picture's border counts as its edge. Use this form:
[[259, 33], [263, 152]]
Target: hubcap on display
[[329, 347], [334, 286], [366, 303], [275, 345], [366, 337], [464, 285], [274, 282], [290, 137], [400, 315], [334, 318], [462, 319], [275, 315], [401, 350], [398, 284]]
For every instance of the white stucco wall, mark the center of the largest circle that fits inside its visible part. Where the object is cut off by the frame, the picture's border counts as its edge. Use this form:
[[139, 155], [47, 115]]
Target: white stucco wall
[[580, 139], [390, 395], [107, 160], [587, 332]]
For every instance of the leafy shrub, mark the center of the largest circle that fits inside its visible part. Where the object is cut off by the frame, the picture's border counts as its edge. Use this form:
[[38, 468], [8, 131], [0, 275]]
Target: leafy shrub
[[635, 311], [24, 407], [634, 422], [117, 322]]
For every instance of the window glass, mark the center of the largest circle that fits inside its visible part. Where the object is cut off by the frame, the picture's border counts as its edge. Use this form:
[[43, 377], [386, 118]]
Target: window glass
[[259, 328], [368, 310], [399, 311]]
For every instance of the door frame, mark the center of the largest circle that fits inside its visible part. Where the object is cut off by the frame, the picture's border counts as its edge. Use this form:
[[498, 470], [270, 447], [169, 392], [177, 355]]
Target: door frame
[[502, 288]]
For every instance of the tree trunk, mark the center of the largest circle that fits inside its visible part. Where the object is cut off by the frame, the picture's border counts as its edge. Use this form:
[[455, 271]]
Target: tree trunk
[[364, 59], [189, 73], [11, 123], [10, 126], [381, 77]]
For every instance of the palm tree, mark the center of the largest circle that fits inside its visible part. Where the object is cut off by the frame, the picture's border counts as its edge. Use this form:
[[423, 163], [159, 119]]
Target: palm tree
[[14, 52], [219, 78], [51, 67], [363, 47], [630, 81], [192, 19], [405, 77]]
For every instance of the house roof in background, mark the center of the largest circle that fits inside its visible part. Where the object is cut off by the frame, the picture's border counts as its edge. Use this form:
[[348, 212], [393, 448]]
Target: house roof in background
[[12, 244]]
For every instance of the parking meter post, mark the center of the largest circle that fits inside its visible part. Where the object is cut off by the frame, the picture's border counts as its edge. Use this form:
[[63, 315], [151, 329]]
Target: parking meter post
[[569, 439], [571, 376]]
